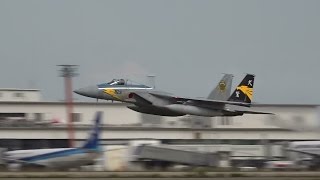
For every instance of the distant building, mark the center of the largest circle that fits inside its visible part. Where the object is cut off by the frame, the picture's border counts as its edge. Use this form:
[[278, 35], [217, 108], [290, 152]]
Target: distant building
[[12, 94]]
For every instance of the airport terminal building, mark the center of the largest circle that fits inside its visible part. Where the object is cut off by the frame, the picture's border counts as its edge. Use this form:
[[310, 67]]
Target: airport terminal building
[[28, 122]]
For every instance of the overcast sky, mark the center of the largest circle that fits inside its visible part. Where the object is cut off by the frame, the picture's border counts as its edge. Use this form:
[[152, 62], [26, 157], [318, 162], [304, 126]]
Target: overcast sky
[[186, 44]]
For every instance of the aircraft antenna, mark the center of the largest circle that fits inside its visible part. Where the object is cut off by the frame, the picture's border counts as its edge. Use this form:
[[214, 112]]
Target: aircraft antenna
[[152, 80]]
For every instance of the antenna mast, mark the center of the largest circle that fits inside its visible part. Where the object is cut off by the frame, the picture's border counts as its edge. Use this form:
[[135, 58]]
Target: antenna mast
[[68, 71]]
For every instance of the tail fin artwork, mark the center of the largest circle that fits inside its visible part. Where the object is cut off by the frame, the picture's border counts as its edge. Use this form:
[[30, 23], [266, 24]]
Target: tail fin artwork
[[223, 89], [93, 140], [244, 91]]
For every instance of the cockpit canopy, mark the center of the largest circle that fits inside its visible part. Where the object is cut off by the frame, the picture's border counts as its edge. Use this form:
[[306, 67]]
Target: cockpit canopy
[[122, 82], [117, 82]]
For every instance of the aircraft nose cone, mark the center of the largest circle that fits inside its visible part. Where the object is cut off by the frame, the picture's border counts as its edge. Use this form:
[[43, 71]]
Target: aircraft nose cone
[[90, 91]]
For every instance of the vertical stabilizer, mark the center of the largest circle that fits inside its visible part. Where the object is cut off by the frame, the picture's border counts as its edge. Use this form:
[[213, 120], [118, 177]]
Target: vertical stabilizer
[[93, 141], [244, 91], [223, 89]]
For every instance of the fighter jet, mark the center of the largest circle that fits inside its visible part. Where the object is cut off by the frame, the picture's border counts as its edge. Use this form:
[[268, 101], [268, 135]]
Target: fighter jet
[[148, 100]]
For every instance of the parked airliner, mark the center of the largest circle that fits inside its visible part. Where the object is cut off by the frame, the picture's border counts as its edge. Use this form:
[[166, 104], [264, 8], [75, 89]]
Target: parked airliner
[[60, 158]]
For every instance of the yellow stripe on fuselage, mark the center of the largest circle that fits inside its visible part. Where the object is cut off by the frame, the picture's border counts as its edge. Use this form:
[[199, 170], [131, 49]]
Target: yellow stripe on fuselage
[[247, 91], [112, 93]]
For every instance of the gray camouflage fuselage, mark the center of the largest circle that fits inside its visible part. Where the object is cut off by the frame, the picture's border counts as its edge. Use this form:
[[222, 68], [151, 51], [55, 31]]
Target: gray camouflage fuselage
[[145, 99]]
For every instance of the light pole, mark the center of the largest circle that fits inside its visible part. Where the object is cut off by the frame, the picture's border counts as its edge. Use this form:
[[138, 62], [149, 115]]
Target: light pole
[[68, 71]]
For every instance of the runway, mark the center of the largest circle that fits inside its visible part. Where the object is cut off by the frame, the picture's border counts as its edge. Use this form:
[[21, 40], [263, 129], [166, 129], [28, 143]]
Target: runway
[[308, 175], [227, 178]]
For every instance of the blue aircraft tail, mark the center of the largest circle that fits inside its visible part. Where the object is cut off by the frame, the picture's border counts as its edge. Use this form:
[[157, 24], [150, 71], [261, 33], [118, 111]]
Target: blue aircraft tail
[[93, 140]]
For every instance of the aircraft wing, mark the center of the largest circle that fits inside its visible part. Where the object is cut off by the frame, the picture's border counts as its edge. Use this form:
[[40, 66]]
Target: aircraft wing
[[116, 149], [152, 98], [141, 98], [145, 98], [199, 100], [304, 152], [231, 106]]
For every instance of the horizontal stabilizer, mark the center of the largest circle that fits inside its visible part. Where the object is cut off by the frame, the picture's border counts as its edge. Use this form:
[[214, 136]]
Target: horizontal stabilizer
[[304, 152], [242, 109], [255, 112]]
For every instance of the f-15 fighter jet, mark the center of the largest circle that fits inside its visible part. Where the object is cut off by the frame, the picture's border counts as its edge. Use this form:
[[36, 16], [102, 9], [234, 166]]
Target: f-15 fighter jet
[[148, 100]]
